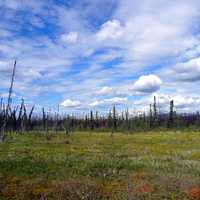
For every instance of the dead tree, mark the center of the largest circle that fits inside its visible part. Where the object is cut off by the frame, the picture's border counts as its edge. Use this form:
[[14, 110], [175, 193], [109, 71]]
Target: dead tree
[[155, 114], [56, 122], [114, 121], [91, 120], [171, 115], [2, 131], [67, 125], [150, 117], [1, 105], [97, 120], [127, 120], [22, 118], [29, 118], [44, 119]]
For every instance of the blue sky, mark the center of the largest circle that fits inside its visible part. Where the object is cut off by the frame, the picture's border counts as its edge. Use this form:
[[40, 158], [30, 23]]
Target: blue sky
[[92, 54]]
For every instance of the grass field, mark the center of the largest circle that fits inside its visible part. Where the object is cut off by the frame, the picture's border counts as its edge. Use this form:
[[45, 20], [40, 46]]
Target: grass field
[[94, 166]]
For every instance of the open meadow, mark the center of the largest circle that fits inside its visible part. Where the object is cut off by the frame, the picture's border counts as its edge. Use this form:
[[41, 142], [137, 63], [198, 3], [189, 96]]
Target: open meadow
[[96, 166]]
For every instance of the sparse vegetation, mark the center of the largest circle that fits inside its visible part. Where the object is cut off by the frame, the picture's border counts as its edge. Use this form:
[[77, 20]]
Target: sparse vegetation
[[153, 165]]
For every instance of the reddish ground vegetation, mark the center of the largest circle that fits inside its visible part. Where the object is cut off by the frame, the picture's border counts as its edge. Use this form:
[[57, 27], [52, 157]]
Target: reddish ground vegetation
[[145, 188], [194, 193]]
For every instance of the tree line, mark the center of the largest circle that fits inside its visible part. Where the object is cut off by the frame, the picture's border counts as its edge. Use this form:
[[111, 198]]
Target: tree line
[[21, 120]]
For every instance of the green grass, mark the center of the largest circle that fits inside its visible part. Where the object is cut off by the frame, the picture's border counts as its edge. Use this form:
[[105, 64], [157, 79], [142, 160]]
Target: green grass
[[154, 165]]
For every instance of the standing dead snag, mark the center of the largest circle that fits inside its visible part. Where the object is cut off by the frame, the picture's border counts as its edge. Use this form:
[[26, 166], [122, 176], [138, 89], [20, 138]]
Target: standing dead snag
[[56, 121], [97, 120], [1, 105], [114, 121], [2, 131], [155, 114], [150, 117], [67, 125], [127, 120], [171, 115], [22, 118], [44, 119], [91, 120], [29, 118]]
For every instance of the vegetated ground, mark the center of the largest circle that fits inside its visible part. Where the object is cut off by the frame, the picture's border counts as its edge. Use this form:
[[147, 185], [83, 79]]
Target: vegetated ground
[[94, 166]]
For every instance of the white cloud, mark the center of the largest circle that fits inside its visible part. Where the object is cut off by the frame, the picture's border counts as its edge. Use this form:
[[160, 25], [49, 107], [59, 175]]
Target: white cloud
[[68, 103], [5, 96], [187, 71], [70, 38], [149, 36], [182, 102], [116, 100], [96, 103], [3, 65], [30, 73], [105, 91], [110, 30], [110, 101], [147, 84]]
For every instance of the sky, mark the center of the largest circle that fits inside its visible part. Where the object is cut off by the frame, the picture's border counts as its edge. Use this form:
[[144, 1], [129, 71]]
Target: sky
[[93, 54]]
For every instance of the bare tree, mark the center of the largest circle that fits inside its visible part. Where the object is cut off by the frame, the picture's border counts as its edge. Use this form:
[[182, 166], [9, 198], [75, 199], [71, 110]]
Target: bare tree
[[57, 117], [150, 117], [2, 131], [171, 115]]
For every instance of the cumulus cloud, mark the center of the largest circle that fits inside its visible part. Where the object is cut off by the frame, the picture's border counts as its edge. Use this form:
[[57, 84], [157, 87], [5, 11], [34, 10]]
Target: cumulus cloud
[[110, 30], [70, 38], [68, 103], [110, 101], [147, 84]]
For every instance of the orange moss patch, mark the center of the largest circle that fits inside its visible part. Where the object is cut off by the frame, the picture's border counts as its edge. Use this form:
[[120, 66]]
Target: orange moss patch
[[138, 176], [145, 188], [194, 193]]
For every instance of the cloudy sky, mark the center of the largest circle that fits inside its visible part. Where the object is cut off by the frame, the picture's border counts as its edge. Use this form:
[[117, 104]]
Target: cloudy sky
[[91, 54]]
